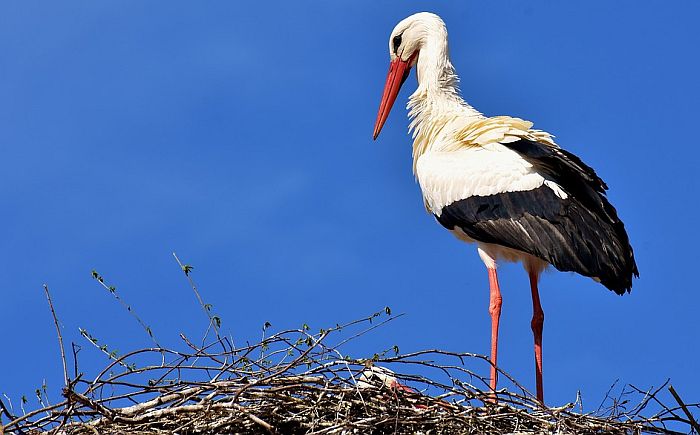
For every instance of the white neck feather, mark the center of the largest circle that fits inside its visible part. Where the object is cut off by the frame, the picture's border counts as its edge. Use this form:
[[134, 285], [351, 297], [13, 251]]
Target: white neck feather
[[436, 104]]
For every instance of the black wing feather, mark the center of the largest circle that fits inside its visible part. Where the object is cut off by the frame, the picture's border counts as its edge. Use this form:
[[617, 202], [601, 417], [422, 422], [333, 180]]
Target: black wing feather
[[581, 233]]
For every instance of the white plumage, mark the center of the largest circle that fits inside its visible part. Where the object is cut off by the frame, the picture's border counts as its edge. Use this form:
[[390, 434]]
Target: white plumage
[[377, 377], [446, 177]]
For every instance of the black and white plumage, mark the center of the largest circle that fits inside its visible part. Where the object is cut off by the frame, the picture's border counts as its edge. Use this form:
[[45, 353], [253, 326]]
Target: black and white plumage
[[571, 226], [499, 183]]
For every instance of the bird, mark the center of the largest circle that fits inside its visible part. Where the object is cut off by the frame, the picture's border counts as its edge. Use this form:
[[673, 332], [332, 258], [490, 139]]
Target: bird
[[501, 184], [378, 377]]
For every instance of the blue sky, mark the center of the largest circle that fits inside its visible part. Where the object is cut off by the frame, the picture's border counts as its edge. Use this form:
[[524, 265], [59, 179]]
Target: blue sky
[[239, 135]]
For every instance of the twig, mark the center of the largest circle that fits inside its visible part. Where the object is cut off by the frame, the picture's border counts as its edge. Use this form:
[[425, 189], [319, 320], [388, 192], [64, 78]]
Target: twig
[[186, 271], [111, 355], [366, 330], [675, 395], [282, 370], [75, 358], [113, 291], [6, 411], [89, 403], [66, 379], [267, 426]]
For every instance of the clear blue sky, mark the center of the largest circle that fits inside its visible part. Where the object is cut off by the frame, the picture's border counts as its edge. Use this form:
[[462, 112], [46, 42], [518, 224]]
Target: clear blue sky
[[239, 135]]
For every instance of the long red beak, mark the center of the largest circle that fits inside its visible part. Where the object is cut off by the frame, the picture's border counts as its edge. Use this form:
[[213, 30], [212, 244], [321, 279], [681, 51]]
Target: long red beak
[[398, 73]]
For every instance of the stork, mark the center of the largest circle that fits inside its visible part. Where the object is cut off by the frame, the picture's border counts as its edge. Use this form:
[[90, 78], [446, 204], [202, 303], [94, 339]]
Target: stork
[[499, 183]]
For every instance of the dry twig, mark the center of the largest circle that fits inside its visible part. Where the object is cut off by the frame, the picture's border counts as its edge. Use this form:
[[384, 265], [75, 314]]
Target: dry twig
[[66, 379]]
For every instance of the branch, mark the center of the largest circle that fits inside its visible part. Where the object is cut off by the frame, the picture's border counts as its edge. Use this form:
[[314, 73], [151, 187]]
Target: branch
[[213, 320], [692, 421], [66, 379]]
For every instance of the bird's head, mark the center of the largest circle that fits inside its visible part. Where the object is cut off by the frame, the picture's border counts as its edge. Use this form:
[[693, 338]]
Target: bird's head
[[405, 43]]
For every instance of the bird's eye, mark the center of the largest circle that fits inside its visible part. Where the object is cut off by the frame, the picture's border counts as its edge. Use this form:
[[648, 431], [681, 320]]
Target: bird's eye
[[397, 42]]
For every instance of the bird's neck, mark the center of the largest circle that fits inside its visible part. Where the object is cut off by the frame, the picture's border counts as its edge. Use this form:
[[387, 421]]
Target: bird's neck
[[436, 107]]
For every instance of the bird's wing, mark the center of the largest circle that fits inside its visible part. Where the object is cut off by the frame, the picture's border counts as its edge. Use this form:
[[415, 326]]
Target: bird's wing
[[530, 196], [537, 147], [448, 176], [500, 129]]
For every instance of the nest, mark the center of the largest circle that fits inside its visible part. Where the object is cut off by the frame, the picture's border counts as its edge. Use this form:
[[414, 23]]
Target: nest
[[300, 382]]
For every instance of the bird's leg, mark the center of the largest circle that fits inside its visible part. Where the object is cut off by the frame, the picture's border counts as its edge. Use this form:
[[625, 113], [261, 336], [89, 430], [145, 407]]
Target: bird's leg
[[536, 325], [495, 302]]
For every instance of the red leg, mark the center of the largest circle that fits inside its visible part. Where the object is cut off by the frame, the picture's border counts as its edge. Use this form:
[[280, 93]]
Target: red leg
[[536, 325], [495, 302]]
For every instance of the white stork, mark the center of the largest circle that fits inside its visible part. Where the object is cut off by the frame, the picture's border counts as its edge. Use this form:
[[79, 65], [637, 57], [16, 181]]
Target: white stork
[[501, 184]]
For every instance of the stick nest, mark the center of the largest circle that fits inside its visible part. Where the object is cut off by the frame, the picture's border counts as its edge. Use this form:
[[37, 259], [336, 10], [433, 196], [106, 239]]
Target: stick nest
[[298, 382]]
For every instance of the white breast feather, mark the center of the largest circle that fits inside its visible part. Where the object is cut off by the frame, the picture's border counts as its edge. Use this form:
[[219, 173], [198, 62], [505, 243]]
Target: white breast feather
[[446, 177]]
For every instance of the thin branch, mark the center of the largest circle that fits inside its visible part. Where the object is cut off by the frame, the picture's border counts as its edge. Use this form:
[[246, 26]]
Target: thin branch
[[675, 395], [113, 291], [66, 379], [6, 411], [186, 270]]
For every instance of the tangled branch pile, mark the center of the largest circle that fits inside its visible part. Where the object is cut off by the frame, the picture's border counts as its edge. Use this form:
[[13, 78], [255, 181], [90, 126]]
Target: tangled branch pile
[[299, 382], [296, 381]]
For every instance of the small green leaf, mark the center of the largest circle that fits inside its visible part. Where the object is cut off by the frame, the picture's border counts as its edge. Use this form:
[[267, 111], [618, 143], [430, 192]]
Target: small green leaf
[[187, 269], [217, 320], [396, 349]]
